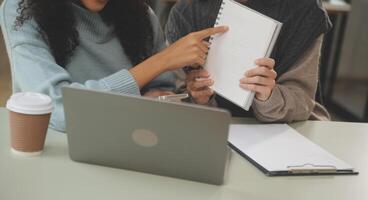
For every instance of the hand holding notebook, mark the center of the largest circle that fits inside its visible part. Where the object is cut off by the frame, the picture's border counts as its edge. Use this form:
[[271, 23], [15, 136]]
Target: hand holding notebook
[[251, 36]]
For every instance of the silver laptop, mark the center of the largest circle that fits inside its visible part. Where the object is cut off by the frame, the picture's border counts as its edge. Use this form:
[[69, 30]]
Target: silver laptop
[[146, 135]]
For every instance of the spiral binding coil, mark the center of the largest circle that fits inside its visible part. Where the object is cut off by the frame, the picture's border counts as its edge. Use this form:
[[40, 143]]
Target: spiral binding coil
[[218, 19]]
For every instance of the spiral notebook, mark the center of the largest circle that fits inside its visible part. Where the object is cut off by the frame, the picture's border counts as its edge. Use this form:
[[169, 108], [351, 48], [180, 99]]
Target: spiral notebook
[[279, 150], [251, 35]]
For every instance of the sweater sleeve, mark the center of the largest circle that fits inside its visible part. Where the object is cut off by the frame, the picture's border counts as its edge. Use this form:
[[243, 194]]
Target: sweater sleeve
[[293, 98], [34, 68]]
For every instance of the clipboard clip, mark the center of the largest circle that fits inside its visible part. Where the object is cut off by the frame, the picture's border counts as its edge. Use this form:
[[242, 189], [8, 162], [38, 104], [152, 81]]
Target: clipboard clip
[[312, 169]]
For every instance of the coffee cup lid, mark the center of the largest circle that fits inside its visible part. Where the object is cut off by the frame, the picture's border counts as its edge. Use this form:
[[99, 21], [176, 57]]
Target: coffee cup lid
[[30, 103]]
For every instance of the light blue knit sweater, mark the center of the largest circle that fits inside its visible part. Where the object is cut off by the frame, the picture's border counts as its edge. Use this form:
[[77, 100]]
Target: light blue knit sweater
[[99, 62]]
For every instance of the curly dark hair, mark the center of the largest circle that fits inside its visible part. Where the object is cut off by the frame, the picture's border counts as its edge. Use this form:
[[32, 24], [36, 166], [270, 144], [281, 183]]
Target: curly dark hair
[[57, 26]]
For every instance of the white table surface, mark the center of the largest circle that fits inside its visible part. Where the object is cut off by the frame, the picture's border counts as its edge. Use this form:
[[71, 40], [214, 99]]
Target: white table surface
[[54, 176]]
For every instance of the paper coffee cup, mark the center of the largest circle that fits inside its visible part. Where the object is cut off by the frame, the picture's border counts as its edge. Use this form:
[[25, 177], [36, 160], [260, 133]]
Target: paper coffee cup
[[29, 116]]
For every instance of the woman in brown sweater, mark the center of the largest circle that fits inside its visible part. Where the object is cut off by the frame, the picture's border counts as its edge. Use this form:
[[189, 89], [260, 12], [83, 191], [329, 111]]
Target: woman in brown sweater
[[285, 84]]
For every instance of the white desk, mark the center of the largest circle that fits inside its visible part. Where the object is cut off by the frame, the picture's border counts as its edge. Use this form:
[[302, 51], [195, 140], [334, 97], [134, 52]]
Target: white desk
[[54, 176]]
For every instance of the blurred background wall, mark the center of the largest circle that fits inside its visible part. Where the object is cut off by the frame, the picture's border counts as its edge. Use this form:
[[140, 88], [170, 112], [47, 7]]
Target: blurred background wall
[[349, 95]]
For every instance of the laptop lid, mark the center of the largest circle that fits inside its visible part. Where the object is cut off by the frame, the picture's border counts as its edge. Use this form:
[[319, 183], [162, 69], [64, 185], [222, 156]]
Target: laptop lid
[[135, 133]]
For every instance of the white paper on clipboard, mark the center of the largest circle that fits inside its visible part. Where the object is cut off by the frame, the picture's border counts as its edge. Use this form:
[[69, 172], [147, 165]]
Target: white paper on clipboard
[[278, 147]]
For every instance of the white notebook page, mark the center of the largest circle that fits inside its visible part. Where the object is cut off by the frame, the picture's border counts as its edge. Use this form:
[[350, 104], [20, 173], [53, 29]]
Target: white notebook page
[[235, 52], [276, 147]]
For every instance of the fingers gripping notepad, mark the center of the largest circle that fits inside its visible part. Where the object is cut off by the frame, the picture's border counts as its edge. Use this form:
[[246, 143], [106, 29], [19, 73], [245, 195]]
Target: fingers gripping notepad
[[251, 36]]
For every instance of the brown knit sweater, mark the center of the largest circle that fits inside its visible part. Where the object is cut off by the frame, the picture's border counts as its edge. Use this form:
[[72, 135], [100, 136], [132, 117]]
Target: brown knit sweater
[[293, 97]]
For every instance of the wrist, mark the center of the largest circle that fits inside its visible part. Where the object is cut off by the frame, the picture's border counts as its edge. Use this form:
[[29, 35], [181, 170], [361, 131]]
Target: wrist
[[162, 61], [149, 69], [264, 98], [261, 98]]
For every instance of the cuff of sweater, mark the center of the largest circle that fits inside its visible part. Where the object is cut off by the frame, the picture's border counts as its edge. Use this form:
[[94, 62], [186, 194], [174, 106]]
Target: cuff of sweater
[[264, 107], [122, 82]]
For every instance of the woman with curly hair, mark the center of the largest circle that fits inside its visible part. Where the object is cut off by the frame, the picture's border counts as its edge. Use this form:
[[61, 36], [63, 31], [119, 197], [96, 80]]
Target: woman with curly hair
[[109, 45]]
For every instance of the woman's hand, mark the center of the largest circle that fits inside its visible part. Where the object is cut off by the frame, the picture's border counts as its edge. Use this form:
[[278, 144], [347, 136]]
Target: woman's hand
[[198, 86], [261, 80], [188, 51], [157, 93], [191, 50]]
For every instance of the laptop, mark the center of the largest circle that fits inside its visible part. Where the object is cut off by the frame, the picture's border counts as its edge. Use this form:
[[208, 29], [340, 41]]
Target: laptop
[[142, 134]]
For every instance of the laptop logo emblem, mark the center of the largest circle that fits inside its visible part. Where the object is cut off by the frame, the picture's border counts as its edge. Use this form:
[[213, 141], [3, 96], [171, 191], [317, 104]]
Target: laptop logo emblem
[[145, 138]]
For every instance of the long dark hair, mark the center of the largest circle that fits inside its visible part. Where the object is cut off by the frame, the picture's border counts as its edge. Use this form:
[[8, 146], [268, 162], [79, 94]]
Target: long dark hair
[[57, 26]]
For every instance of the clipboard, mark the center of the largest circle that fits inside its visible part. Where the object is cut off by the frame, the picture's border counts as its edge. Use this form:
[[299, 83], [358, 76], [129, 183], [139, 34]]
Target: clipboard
[[247, 140]]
